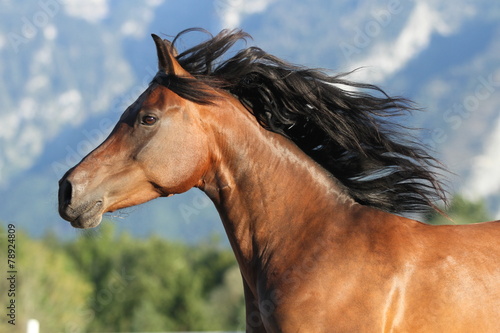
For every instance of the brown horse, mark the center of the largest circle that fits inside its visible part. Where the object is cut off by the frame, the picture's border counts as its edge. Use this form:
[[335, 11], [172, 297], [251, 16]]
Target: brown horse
[[308, 177]]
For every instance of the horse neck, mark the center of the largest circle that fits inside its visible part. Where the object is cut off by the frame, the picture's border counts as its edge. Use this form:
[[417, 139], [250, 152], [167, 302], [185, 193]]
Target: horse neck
[[266, 190]]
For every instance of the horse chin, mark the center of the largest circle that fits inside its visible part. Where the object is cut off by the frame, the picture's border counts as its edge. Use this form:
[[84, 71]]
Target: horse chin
[[84, 216], [86, 222]]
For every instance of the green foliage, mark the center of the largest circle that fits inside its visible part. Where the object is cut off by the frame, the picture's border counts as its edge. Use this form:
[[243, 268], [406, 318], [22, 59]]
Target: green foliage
[[108, 282], [461, 211], [48, 287]]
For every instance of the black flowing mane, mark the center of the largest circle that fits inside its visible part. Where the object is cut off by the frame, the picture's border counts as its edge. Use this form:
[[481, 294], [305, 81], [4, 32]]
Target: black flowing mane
[[347, 131]]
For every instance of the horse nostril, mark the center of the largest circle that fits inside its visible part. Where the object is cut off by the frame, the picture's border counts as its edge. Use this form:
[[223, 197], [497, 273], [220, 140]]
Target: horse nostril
[[65, 193]]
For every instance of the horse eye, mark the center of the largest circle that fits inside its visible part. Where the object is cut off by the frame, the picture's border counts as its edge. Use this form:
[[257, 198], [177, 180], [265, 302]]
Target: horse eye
[[148, 120]]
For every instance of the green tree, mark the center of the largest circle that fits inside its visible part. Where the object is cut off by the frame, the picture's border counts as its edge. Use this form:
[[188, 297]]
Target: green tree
[[108, 282], [48, 287], [461, 211], [226, 303], [153, 284]]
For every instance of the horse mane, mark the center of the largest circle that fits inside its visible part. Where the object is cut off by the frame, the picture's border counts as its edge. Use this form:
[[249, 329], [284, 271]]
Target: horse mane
[[344, 126]]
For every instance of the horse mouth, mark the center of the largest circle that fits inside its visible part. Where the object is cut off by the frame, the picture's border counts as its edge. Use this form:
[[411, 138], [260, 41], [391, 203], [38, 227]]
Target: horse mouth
[[83, 217]]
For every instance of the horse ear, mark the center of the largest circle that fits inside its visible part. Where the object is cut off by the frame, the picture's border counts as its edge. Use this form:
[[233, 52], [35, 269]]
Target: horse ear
[[166, 57]]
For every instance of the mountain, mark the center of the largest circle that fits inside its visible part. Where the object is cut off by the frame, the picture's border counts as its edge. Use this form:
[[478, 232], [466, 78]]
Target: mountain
[[68, 69]]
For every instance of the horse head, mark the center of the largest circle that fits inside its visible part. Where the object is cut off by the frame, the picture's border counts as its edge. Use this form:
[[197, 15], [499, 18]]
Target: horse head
[[157, 148]]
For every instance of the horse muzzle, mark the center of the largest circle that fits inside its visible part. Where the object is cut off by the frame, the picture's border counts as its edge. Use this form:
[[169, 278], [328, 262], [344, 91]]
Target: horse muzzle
[[82, 213]]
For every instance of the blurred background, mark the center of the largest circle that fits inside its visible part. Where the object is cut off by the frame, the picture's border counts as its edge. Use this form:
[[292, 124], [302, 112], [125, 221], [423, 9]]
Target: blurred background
[[69, 68]]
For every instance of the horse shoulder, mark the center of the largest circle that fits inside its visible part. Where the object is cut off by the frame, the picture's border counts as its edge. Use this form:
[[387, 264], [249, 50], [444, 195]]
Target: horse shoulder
[[446, 266], [388, 272]]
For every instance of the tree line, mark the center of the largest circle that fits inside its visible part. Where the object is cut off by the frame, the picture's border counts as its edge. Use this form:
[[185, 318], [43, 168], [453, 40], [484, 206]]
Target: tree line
[[109, 282]]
